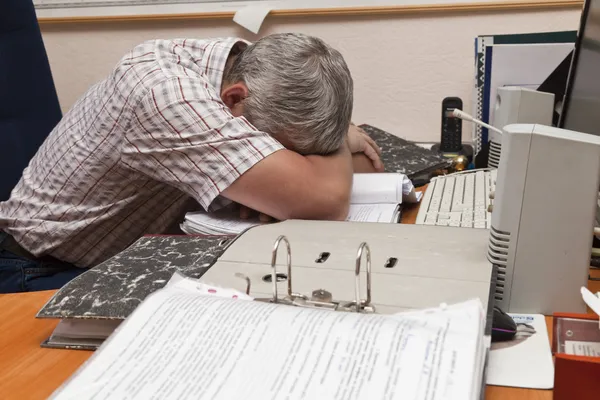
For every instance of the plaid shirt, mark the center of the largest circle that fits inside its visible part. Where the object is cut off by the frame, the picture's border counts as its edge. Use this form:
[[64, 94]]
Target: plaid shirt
[[125, 160]]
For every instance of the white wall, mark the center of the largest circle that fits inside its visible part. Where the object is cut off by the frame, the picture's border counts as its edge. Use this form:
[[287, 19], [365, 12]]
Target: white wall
[[403, 66]]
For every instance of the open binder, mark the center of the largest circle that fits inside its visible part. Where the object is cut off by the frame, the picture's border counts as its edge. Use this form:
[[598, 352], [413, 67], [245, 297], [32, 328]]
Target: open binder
[[403, 268]]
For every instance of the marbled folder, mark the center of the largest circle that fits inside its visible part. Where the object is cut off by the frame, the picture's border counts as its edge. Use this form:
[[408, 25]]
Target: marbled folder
[[113, 289]]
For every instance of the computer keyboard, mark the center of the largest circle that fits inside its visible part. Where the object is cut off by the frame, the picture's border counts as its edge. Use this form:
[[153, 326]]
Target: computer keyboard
[[459, 200]]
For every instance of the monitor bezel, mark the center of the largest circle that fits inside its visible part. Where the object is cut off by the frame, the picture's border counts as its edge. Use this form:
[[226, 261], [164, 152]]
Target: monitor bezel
[[574, 64]]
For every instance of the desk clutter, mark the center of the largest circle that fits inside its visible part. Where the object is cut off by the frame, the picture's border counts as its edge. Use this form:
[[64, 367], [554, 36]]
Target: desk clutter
[[324, 300], [360, 310], [375, 198], [405, 268], [349, 267]]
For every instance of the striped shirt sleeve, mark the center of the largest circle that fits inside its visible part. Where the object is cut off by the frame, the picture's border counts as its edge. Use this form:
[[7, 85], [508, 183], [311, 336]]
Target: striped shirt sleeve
[[182, 134]]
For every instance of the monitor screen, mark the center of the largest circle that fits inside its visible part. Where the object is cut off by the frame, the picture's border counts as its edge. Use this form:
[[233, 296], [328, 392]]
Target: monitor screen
[[581, 106]]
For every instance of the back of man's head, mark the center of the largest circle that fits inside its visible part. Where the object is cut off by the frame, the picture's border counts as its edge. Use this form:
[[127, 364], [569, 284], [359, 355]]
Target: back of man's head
[[299, 88]]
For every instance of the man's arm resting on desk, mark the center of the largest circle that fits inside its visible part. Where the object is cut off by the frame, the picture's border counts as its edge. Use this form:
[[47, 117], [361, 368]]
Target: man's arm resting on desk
[[287, 185], [361, 164]]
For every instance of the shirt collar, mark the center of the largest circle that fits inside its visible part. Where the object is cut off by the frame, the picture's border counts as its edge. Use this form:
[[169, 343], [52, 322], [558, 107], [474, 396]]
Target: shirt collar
[[214, 60]]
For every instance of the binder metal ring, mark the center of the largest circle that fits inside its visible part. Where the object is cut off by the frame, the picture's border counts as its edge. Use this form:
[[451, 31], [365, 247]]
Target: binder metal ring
[[280, 239], [321, 297], [357, 300]]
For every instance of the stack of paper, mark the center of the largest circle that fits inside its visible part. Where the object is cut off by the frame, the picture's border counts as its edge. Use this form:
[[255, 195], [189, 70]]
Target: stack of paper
[[181, 343], [222, 222]]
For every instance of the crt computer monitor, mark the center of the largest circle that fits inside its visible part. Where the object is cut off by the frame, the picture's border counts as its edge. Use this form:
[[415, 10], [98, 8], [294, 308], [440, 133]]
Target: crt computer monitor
[[581, 104]]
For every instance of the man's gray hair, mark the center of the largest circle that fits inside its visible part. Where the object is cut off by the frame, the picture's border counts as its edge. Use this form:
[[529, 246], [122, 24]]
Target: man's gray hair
[[299, 88]]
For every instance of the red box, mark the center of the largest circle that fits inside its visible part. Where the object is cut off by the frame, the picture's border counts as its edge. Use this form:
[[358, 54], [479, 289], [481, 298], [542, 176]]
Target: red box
[[576, 376]]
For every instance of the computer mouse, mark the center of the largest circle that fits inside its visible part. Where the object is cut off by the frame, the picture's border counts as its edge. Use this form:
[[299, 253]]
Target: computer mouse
[[503, 326]]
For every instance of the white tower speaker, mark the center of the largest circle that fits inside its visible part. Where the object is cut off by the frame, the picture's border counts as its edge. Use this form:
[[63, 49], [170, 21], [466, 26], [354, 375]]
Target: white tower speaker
[[518, 105], [543, 218]]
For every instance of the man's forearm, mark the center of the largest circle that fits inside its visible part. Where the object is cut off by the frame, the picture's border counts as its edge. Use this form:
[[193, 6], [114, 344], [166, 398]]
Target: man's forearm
[[287, 185], [336, 170], [339, 163]]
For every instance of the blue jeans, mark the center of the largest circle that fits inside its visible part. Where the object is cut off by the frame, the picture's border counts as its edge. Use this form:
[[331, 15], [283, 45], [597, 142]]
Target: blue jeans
[[21, 274]]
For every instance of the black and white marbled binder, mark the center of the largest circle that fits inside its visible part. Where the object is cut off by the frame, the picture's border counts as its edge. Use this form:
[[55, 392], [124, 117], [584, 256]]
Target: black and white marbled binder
[[400, 155], [113, 289]]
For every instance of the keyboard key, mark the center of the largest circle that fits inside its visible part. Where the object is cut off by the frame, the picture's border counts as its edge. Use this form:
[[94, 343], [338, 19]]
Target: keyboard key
[[443, 215], [436, 198], [459, 191], [466, 224], [425, 201], [480, 189], [479, 214], [455, 218], [469, 192], [446, 202], [431, 219]]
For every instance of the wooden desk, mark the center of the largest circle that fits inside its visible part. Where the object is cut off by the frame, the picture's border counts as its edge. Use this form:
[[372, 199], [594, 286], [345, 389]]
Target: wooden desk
[[28, 371]]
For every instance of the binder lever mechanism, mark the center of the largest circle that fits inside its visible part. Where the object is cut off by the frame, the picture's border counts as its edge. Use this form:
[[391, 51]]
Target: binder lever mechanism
[[320, 298]]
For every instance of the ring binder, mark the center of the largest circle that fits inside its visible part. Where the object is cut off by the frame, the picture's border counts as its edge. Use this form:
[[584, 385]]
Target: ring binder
[[320, 298]]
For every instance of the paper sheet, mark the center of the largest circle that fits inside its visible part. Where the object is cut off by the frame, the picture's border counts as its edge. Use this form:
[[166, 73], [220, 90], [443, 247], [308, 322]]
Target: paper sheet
[[230, 224], [85, 328], [251, 17], [372, 212], [591, 299], [535, 63], [181, 345], [223, 222], [384, 188], [578, 348], [182, 282], [470, 357]]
